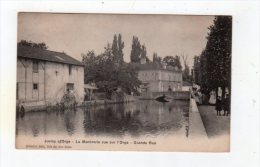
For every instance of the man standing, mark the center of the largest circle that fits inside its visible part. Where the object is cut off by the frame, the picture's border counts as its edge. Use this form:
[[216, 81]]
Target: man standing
[[226, 105]]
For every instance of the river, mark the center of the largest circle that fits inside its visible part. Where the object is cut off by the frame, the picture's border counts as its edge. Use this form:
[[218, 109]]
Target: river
[[147, 118]]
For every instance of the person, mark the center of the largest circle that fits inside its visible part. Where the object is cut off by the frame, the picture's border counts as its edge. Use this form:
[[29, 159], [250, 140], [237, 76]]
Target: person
[[218, 106], [22, 110], [226, 105], [169, 89], [212, 99], [199, 97]]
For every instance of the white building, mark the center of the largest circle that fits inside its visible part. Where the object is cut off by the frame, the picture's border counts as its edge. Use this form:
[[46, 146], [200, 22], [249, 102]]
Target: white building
[[158, 78], [44, 76]]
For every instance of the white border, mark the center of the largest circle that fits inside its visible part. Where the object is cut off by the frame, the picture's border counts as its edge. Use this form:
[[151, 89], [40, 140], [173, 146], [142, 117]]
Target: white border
[[245, 86]]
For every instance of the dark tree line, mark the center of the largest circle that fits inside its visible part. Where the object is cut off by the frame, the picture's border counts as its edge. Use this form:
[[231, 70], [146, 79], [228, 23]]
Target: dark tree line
[[212, 69], [41, 45]]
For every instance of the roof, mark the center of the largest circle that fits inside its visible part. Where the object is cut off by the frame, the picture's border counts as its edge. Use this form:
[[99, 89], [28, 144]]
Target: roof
[[46, 55], [153, 66]]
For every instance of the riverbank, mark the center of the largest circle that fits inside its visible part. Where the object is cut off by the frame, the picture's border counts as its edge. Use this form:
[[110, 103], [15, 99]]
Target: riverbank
[[58, 106], [197, 128], [215, 125]]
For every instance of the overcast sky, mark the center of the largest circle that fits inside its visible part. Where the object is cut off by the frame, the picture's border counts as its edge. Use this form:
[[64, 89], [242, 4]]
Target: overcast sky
[[77, 33]]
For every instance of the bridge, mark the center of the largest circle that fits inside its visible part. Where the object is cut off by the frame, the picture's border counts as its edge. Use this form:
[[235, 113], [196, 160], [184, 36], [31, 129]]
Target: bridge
[[177, 95]]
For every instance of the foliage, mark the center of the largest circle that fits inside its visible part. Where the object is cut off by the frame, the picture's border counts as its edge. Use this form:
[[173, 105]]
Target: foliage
[[215, 61], [136, 50], [186, 73], [107, 72], [173, 61], [41, 45], [143, 53], [117, 49], [157, 59], [196, 70]]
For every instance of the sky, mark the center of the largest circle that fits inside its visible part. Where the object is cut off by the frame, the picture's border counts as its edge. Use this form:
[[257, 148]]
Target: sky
[[74, 34]]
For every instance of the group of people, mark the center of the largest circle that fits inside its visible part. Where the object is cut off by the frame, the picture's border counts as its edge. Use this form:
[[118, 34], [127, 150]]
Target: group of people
[[214, 98], [223, 104]]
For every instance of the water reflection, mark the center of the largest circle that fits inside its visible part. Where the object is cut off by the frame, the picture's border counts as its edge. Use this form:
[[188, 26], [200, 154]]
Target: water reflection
[[141, 118]]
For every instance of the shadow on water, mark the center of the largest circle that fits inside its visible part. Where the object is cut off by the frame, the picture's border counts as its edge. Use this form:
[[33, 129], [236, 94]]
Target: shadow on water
[[141, 118]]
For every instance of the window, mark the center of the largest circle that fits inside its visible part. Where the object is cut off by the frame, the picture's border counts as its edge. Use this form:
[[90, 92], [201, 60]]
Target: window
[[35, 86], [70, 86], [70, 68], [35, 66]]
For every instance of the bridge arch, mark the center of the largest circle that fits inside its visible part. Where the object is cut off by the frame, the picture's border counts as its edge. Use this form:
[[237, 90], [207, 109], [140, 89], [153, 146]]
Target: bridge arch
[[167, 95]]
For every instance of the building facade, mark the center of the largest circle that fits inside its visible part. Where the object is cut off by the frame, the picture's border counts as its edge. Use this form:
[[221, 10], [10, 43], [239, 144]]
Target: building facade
[[43, 76], [159, 78]]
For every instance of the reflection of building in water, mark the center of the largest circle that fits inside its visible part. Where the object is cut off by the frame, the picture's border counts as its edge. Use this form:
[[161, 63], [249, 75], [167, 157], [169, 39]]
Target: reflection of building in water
[[156, 114], [129, 109], [158, 77]]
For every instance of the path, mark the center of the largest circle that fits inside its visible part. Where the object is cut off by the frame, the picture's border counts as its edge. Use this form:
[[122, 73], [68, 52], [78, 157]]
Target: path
[[214, 125]]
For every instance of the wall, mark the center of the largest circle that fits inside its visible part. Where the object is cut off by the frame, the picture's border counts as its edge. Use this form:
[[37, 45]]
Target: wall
[[25, 80], [160, 80], [52, 82], [57, 77]]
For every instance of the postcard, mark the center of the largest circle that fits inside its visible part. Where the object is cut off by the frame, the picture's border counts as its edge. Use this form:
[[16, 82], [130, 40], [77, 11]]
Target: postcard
[[128, 82]]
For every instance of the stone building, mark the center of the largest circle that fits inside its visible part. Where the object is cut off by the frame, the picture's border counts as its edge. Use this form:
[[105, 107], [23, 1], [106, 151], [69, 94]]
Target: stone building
[[159, 77], [44, 76]]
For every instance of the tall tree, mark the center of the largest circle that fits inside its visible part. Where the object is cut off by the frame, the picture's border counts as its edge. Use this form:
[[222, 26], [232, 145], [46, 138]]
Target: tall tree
[[216, 58], [117, 48], [120, 48], [197, 70], [143, 53], [105, 71], [186, 71], [136, 50], [157, 59]]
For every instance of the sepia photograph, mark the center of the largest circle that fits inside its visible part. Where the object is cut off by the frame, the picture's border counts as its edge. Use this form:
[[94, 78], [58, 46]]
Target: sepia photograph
[[123, 82]]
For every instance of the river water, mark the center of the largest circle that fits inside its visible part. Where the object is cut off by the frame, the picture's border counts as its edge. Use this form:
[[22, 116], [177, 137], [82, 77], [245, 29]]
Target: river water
[[147, 118]]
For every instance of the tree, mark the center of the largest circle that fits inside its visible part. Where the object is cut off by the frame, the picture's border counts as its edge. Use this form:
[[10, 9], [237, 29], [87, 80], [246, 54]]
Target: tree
[[197, 70], [115, 46], [120, 48], [173, 61], [41, 45], [156, 59], [215, 60], [186, 72], [105, 71], [117, 49], [136, 50]]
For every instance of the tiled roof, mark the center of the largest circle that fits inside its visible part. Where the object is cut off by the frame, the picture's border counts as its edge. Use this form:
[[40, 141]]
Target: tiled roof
[[46, 55]]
